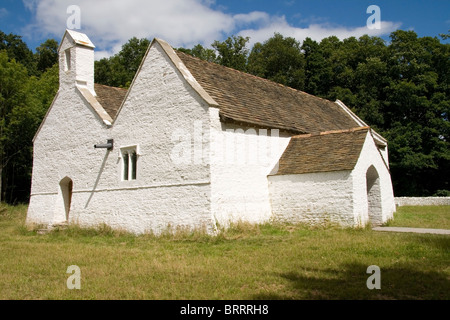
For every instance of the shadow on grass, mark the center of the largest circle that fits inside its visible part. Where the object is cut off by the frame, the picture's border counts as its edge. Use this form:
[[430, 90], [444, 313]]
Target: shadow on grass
[[441, 242], [402, 282]]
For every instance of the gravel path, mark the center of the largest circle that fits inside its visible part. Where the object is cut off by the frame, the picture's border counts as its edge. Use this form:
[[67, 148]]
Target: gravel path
[[415, 230]]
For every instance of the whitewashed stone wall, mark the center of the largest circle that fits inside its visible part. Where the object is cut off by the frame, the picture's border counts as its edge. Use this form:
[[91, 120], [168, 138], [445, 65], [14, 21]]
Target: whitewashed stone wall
[[159, 106], [313, 198], [64, 148], [241, 159], [164, 194], [337, 197], [422, 201], [370, 156]]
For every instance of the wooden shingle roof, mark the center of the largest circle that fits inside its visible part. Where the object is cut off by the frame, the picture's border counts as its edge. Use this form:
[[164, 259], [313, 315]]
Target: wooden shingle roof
[[325, 152], [249, 99]]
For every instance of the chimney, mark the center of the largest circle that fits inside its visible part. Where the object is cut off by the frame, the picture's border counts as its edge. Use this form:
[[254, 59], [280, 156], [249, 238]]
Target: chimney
[[76, 61]]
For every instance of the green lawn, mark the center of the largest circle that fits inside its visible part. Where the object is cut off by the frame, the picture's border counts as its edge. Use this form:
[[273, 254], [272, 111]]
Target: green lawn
[[437, 217], [245, 262]]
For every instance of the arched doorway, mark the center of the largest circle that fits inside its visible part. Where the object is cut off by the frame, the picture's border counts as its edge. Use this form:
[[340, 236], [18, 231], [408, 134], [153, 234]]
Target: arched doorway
[[66, 186], [373, 196]]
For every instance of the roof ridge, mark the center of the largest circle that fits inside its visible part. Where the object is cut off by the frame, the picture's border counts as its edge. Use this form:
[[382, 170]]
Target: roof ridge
[[323, 133]]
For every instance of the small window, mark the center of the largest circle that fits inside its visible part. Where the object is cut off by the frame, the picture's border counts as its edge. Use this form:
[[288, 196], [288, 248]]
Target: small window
[[67, 60], [129, 164], [126, 161], [133, 162]]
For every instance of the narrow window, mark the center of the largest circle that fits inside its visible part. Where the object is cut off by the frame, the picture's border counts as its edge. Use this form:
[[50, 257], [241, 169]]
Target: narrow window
[[133, 160], [67, 60], [129, 163], [125, 159]]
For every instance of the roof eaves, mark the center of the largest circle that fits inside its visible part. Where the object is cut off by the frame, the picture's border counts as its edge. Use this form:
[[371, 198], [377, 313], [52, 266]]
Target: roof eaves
[[351, 113], [237, 120], [96, 106], [380, 139]]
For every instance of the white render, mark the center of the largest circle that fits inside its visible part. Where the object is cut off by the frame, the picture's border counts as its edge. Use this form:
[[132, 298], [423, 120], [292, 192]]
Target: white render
[[422, 201], [336, 197], [188, 177], [164, 195], [313, 198], [242, 158]]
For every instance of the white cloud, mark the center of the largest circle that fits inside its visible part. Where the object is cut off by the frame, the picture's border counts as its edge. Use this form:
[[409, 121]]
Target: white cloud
[[314, 31], [252, 17], [3, 12], [29, 4], [111, 23], [185, 22]]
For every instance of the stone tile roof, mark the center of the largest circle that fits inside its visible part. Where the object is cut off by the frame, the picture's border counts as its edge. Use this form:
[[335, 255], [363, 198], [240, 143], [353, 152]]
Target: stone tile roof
[[110, 98], [252, 100], [325, 152], [249, 99]]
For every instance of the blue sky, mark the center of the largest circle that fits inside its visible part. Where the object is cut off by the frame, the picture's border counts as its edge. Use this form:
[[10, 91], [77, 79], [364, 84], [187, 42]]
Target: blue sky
[[110, 23]]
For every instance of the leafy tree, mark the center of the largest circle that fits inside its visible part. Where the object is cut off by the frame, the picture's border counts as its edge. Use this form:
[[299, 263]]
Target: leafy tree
[[315, 67], [110, 72], [17, 107], [24, 100], [445, 36], [18, 50], [417, 113], [201, 52], [400, 89], [131, 55], [46, 55], [233, 52], [278, 59], [120, 69]]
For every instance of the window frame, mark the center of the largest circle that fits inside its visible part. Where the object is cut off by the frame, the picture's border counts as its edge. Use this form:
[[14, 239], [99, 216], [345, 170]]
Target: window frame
[[67, 60], [129, 167]]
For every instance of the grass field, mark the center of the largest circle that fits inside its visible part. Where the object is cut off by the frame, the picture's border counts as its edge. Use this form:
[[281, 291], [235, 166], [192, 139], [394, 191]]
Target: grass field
[[437, 217], [245, 262]]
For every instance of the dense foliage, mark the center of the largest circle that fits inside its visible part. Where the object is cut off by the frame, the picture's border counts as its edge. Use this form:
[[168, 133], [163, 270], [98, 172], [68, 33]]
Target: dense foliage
[[28, 84], [400, 88]]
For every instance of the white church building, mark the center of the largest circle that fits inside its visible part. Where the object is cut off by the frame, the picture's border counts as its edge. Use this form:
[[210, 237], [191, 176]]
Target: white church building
[[196, 145]]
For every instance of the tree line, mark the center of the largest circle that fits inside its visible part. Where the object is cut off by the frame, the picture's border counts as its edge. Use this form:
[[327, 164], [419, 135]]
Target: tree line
[[400, 88], [28, 84]]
